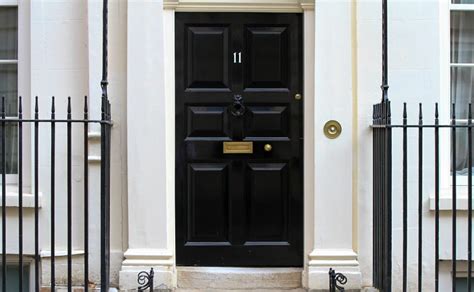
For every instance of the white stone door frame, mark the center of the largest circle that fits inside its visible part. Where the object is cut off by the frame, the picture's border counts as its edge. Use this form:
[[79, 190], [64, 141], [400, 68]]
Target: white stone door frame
[[151, 137]]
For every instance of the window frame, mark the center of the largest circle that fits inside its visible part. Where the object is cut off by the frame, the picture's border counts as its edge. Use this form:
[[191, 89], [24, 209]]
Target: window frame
[[447, 7], [28, 261], [23, 89], [12, 179]]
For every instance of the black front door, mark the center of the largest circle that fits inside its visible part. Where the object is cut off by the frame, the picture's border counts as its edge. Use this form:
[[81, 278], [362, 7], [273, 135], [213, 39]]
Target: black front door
[[239, 139]]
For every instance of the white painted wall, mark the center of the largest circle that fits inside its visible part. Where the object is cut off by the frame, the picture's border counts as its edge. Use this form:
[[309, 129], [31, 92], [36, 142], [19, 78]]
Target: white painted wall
[[369, 56], [335, 235], [415, 77], [418, 43], [60, 55]]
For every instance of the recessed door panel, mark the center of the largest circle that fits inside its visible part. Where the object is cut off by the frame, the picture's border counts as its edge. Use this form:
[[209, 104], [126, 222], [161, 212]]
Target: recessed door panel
[[207, 189], [239, 146], [266, 57], [207, 57]]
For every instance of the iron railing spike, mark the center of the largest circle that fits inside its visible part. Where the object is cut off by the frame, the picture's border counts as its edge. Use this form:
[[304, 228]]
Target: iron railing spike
[[469, 111], [69, 109], [421, 111], [453, 111], [36, 107], [405, 114]]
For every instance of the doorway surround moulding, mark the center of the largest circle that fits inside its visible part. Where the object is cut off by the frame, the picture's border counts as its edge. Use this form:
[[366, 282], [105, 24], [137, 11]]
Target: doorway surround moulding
[[157, 249], [276, 6]]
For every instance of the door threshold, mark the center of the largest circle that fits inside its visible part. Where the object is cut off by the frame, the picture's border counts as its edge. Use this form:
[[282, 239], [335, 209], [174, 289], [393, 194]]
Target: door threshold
[[230, 278], [238, 290]]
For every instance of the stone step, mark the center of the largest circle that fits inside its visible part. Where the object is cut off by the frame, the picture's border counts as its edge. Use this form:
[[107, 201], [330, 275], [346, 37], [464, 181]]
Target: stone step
[[249, 279], [241, 290]]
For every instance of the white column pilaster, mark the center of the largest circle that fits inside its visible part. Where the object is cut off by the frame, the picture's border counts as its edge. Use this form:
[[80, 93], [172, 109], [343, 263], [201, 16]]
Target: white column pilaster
[[150, 237], [335, 240]]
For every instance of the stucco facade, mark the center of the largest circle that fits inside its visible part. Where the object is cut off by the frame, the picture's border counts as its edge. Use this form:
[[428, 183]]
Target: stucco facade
[[60, 55]]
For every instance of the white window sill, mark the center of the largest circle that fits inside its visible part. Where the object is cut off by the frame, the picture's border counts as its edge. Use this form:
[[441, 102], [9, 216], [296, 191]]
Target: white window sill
[[8, 2], [13, 196], [446, 200], [61, 253]]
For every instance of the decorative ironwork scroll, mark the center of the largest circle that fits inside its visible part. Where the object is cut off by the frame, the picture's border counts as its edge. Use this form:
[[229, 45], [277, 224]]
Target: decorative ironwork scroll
[[145, 280], [336, 281]]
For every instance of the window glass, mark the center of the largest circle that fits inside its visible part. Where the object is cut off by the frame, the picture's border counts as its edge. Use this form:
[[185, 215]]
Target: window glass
[[462, 93], [9, 87], [462, 90], [462, 36], [13, 278], [9, 83], [8, 33], [462, 79], [463, 1]]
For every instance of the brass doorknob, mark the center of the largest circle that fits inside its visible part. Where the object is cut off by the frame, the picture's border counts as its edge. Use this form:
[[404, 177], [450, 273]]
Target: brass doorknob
[[267, 147]]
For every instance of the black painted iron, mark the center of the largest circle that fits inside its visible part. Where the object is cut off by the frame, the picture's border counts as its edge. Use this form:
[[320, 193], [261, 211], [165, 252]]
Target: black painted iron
[[384, 86], [145, 280], [454, 187], [420, 199], [469, 200], [336, 281], [4, 202], [69, 196], [382, 216], [86, 197], [436, 133], [20, 197], [405, 199], [382, 167], [382, 192], [105, 159], [50, 125], [53, 195], [36, 194]]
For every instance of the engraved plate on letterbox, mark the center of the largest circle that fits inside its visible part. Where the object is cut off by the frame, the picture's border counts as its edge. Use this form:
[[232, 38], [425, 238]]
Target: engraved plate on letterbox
[[238, 147]]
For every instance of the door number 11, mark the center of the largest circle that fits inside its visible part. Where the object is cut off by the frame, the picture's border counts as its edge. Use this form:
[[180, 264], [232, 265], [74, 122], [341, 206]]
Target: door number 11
[[239, 61]]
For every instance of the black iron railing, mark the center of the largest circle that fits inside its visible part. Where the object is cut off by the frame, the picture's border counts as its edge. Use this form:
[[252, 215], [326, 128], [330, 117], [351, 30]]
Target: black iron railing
[[50, 125], [382, 191], [382, 200]]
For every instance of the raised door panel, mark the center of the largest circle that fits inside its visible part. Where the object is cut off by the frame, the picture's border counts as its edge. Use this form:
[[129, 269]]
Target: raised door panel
[[266, 58], [207, 121], [207, 62], [267, 121], [267, 196], [208, 197]]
